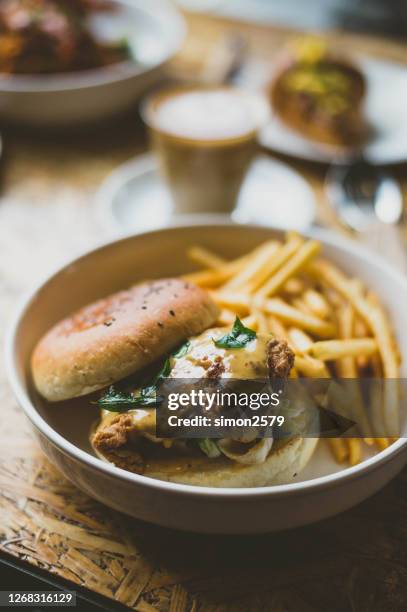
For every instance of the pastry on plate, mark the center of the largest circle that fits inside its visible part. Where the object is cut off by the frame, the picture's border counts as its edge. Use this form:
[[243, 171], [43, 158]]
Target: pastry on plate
[[320, 94]]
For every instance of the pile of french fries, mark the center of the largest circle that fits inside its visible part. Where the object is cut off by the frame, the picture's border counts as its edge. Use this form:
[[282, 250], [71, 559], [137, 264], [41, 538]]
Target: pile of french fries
[[335, 326]]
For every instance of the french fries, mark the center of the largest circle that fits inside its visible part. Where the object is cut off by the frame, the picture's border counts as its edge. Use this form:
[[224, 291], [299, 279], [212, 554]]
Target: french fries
[[291, 266], [277, 328], [355, 451], [239, 303], [294, 286], [308, 366], [334, 326], [347, 368], [256, 271], [300, 341], [280, 309], [226, 317], [313, 368], [213, 277], [317, 303], [339, 449], [372, 315], [262, 323], [210, 278], [330, 350], [205, 258]]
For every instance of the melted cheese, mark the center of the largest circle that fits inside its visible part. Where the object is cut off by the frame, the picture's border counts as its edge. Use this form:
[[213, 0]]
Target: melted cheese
[[247, 362]]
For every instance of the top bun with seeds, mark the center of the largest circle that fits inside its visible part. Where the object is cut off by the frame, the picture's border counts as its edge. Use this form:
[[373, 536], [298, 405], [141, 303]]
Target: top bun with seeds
[[117, 336]]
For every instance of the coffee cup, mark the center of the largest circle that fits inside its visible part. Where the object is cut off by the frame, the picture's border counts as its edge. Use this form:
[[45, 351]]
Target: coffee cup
[[205, 139]]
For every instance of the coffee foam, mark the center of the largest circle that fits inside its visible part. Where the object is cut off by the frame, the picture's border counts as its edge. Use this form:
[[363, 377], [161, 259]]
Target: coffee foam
[[209, 115]]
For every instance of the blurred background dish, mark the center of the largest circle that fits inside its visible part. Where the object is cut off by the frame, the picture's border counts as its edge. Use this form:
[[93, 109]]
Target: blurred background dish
[[134, 198], [319, 94], [150, 33], [59, 36], [386, 85]]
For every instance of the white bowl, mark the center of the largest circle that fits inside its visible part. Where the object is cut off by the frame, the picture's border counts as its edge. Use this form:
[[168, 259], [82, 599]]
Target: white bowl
[[155, 29], [63, 433]]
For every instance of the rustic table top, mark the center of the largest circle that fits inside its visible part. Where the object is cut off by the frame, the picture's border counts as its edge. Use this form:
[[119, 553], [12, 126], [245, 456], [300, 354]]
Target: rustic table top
[[356, 561]]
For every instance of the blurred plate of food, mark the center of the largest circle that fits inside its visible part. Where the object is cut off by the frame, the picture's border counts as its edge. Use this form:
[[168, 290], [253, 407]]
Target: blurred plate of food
[[135, 198], [329, 106], [71, 61]]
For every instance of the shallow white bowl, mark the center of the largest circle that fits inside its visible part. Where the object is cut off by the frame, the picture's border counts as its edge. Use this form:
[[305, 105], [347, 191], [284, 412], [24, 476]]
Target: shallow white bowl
[[63, 433], [155, 29]]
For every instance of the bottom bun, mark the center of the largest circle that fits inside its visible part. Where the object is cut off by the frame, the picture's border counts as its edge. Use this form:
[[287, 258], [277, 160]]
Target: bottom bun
[[282, 465]]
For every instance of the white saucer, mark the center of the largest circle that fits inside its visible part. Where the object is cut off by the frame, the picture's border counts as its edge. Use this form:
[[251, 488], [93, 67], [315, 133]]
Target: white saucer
[[133, 198]]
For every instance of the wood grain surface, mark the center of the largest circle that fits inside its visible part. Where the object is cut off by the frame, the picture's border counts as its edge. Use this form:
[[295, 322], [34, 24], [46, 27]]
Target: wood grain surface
[[356, 561]]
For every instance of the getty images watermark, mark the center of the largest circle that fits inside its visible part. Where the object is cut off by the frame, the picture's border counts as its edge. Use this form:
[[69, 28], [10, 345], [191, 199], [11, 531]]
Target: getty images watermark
[[192, 408]]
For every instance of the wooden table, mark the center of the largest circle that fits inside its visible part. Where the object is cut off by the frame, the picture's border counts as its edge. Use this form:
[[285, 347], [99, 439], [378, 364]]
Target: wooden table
[[356, 561]]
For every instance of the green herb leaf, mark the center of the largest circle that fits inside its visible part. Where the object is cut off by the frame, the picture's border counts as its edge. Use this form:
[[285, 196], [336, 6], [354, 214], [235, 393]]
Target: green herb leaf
[[150, 392], [182, 350], [237, 338], [149, 395], [163, 373], [209, 447], [119, 401]]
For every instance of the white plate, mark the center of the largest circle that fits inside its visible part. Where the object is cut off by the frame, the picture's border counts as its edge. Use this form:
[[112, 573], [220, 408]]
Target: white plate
[[323, 490], [155, 30], [134, 198], [385, 109]]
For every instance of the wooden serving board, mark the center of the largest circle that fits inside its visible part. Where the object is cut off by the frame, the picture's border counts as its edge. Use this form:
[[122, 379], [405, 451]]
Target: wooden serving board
[[356, 561]]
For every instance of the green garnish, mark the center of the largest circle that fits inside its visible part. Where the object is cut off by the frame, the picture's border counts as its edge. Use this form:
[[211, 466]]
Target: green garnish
[[119, 401], [209, 447], [237, 338], [152, 388], [163, 373], [182, 350]]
